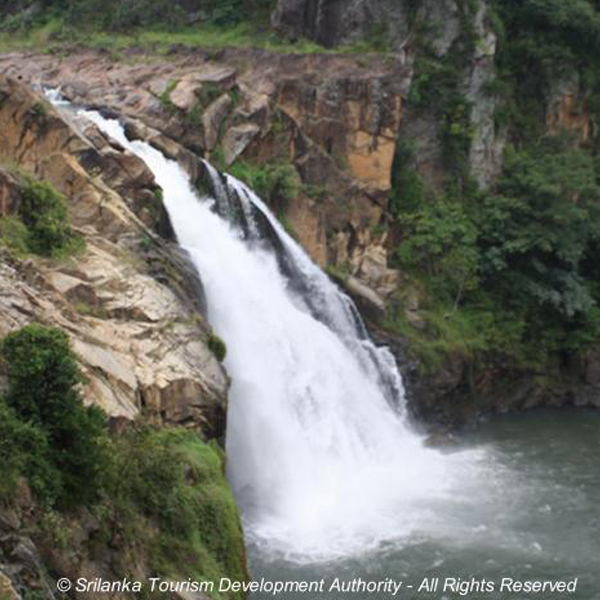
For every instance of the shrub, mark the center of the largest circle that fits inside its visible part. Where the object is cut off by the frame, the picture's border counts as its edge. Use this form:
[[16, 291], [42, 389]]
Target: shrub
[[538, 230], [24, 448], [177, 481], [217, 346], [524, 252], [164, 490], [44, 212], [43, 391], [14, 235], [276, 183], [441, 240]]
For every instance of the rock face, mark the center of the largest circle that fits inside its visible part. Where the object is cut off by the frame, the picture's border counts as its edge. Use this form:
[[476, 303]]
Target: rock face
[[339, 132], [567, 108], [336, 22], [487, 143], [457, 393], [354, 119], [442, 25], [130, 303], [423, 128]]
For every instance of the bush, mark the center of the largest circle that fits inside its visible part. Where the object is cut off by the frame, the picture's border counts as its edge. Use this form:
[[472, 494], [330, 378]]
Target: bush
[[162, 490], [217, 346], [24, 448], [441, 241], [277, 183], [177, 481], [14, 235], [524, 252], [43, 391], [538, 230], [44, 212]]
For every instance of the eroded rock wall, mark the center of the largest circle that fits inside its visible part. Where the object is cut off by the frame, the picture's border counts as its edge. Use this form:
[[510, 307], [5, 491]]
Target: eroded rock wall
[[335, 118], [130, 302]]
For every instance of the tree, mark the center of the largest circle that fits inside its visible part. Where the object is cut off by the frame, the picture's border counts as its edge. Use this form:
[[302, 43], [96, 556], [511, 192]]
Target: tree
[[43, 391], [538, 229]]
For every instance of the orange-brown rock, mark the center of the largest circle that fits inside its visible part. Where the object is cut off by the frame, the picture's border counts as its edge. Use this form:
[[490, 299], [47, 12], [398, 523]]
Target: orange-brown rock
[[339, 132], [569, 112]]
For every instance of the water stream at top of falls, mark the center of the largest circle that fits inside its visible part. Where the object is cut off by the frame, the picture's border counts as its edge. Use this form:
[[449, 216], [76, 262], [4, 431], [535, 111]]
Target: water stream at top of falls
[[320, 456]]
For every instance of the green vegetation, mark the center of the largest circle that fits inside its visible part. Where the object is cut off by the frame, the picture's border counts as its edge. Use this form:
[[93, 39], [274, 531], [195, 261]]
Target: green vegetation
[[276, 183], [341, 273], [14, 235], [217, 346], [515, 264], [161, 24], [44, 212], [43, 399], [541, 43], [161, 492], [510, 272], [43, 225], [165, 97], [155, 24], [172, 480], [437, 87]]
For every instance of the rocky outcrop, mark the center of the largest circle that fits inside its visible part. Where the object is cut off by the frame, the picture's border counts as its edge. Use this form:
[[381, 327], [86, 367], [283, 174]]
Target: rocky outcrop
[[448, 37], [487, 142], [341, 21], [130, 302], [567, 109], [457, 392], [339, 132]]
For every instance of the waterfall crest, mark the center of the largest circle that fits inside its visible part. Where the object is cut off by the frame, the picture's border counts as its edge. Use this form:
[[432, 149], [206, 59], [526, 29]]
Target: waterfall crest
[[320, 456]]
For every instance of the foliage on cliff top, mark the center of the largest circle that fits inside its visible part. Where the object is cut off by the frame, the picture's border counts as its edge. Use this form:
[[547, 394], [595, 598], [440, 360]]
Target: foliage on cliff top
[[156, 24], [544, 43]]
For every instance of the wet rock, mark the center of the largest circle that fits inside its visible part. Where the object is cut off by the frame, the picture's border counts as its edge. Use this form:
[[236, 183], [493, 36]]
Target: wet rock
[[367, 299]]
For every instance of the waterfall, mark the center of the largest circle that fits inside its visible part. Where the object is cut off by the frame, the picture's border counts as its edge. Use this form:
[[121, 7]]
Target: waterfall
[[320, 456]]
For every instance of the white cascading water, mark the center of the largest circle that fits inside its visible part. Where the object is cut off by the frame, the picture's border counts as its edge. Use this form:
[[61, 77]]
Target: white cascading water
[[320, 457]]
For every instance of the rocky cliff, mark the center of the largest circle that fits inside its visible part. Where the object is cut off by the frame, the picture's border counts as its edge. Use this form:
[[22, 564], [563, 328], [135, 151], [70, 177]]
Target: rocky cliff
[[437, 157], [343, 147], [481, 79], [133, 309], [130, 302], [339, 133], [386, 153]]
